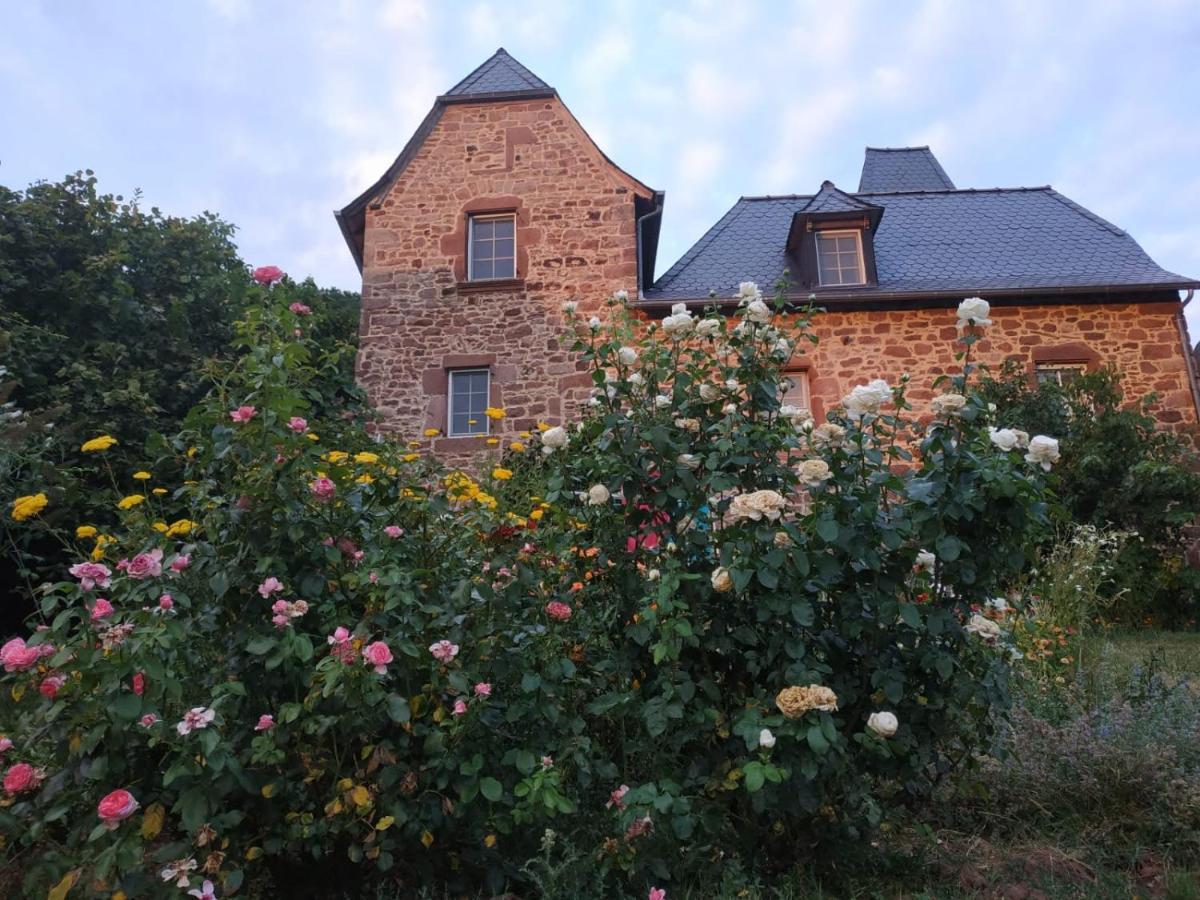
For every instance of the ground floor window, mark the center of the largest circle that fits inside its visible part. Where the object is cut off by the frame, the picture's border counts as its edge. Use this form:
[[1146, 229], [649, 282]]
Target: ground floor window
[[796, 389], [1060, 373], [469, 390]]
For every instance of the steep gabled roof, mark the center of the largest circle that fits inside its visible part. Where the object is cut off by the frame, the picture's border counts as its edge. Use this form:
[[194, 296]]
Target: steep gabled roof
[[902, 169], [499, 74], [831, 200], [932, 243]]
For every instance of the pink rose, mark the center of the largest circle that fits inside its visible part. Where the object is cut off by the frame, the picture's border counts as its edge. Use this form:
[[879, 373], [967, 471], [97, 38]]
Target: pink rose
[[195, 718], [271, 586], [483, 689], [6, 744], [547, 762], [617, 797], [166, 601], [101, 609], [91, 575], [115, 808], [341, 648], [558, 610], [139, 683], [145, 565], [393, 531], [267, 274], [443, 651], [16, 657], [265, 722], [300, 309], [181, 562], [50, 686], [323, 489], [206, 891], [639, 827], [22, 777], [460, 707], [298, 424], [148, 720], [378, 655], [658, 894], [243, 414]]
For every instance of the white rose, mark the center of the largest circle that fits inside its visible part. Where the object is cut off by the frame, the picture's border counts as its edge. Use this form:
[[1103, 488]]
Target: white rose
[[627, 356], [709, 393], [759, 312], [637, 379], [782, 347], [653, 575], [748, 291], [867, 398], [757, 505], [722, 581], [766, 740], [662, 401], [883, 724], [985, 628], [688, 461], [594, 323], [926, 561], [948, 404], [813, 472], [1043, 451], [570, 306], [828, 435], [729, 409], [677, 326], [974, 311], [555, 438], [708, 327], [598, 495], [621, 296], [1004, 438]]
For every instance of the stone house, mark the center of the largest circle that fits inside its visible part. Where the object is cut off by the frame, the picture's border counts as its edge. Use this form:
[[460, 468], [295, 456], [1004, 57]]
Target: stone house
[[501, 207]]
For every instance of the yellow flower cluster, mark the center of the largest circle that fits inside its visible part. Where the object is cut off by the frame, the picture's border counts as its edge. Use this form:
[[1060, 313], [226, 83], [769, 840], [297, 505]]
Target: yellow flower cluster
[[102, 541], [335, 456], [131, 501], [459, 486], [141, 476], [494, 413], [180, 528], [96, 444], [85, 531], [28, 506], [502, 474], [366, 458]]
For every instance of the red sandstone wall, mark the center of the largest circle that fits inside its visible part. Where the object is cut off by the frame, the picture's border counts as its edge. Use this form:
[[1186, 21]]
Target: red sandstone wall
[[575, 238]]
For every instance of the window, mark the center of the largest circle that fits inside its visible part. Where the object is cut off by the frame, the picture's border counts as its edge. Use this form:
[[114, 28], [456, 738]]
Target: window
[[839, 258], [796, 389], [468, 392], [1060, 373], [492, 248]]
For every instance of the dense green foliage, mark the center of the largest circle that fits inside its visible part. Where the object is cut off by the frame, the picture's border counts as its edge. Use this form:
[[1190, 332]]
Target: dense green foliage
[[709, 638], [1119, 471]]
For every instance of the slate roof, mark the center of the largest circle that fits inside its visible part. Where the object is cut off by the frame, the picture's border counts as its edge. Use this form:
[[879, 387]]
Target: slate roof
[[931, 242], [829, 199], [499, 74], [902, 169]]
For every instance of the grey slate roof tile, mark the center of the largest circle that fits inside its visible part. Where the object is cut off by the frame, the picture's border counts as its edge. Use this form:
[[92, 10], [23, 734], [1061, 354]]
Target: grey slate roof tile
[[830, 199], [499, 74], [902, 169], [951, 241]]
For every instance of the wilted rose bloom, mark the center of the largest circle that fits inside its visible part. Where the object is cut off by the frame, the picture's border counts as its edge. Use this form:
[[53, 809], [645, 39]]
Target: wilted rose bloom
[[688, 461], [443, 651], [1043, 451], [145, 565], [298, 424], [115, 808], [267, 274], [757, 506], [271, 585], [181, 562], [1022, 438], [207, 890], [709, 393], [22, 777], [558, 610], [883, 724], [722, 581], [795, 701], [986, 629], [598, 495], [617, 797], [974, 311], [323, 489], [265, 722], [91, 575], [16, 657], [243, 414], [148, 719], [50, 686], [766, 739], [814, 472], [639, 827], [177, 872], [139, 683], [1004, 438], [460, 707], [101, 609], [378, 655], [483, 689], [195, 718], [948, 405], [300, 309], [393, 531]]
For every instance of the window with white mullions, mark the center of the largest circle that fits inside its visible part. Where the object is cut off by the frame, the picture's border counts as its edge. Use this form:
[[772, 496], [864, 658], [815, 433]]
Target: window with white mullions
[[840, 258], [469, 390], [796, 389], [1058, 373], [492, 248]]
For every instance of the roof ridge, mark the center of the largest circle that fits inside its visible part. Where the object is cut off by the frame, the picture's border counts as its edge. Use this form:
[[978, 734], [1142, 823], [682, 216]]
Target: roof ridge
[[898, 149], [991, 190], [512, 68], [705, 239], [1088, 214]]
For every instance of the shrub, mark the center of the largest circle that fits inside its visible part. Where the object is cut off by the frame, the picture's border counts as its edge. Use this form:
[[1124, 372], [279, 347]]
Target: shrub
[[711, 634]]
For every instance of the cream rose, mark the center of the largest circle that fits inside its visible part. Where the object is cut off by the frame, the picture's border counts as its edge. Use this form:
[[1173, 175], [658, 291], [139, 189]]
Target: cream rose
[[948, 404], [867, 398], [828, 436], [814, 472], [757, 506], [1004, 438], [598, 495], [883, 724], [974, 311], [722, 581], [1043, 451]]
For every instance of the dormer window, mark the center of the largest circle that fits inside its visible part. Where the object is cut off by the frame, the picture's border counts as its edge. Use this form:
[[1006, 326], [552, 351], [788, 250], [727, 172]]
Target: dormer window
[[840, 258], [492, 247]]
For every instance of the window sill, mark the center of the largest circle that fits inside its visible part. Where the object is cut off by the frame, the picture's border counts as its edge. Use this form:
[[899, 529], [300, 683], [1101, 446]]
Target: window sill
[[463, 444], [494, 284]]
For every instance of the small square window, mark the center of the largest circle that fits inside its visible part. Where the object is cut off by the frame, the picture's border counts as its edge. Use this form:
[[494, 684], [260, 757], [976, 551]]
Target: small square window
[[468, 390], [1058, 373], [492, 247], [796, 390], [839, 258]]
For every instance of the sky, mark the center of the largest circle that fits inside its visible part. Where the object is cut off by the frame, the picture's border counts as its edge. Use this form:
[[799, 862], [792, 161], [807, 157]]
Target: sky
[[272, 113]]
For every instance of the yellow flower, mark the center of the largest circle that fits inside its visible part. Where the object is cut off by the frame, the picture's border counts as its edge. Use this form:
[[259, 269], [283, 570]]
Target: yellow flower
[[311, 436], [336, 456], [486, 500], [97, 444], [102, 541], [366, 458], [85, 531], [141, 476], [180, 527], [543, 426], [489, 841], [427, 839], [158, 492], [409, 457], [131, 501], [536, 515], [191, 452], [517, 447], [524, 435], [160, 527], [431, 432], [492, 442], [28, 506], [364, 479], [501, 474], [494, 412]]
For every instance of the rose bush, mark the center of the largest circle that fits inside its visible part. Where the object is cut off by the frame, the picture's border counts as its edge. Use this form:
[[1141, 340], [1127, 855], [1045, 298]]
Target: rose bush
[[688, 627]]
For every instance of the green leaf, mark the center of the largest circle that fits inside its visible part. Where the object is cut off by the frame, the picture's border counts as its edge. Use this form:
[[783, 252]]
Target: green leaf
[[398, 709], [260, 645], [491, 789], [816, 740], [524, 762], [910, 614], [127, 707], [948, 548], [754, 776], [827, 530]]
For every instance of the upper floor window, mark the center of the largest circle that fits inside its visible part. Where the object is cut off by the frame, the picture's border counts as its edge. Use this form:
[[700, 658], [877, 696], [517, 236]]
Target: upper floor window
[[492, 247], [1060, 373], [468, 391], [840, 258]]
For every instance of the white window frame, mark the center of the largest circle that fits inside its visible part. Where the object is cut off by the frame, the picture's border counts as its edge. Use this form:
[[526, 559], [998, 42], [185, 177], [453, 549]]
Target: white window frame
[[450, 432], [1057, 368], [862, 263], [489, 217], [799, 376]]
